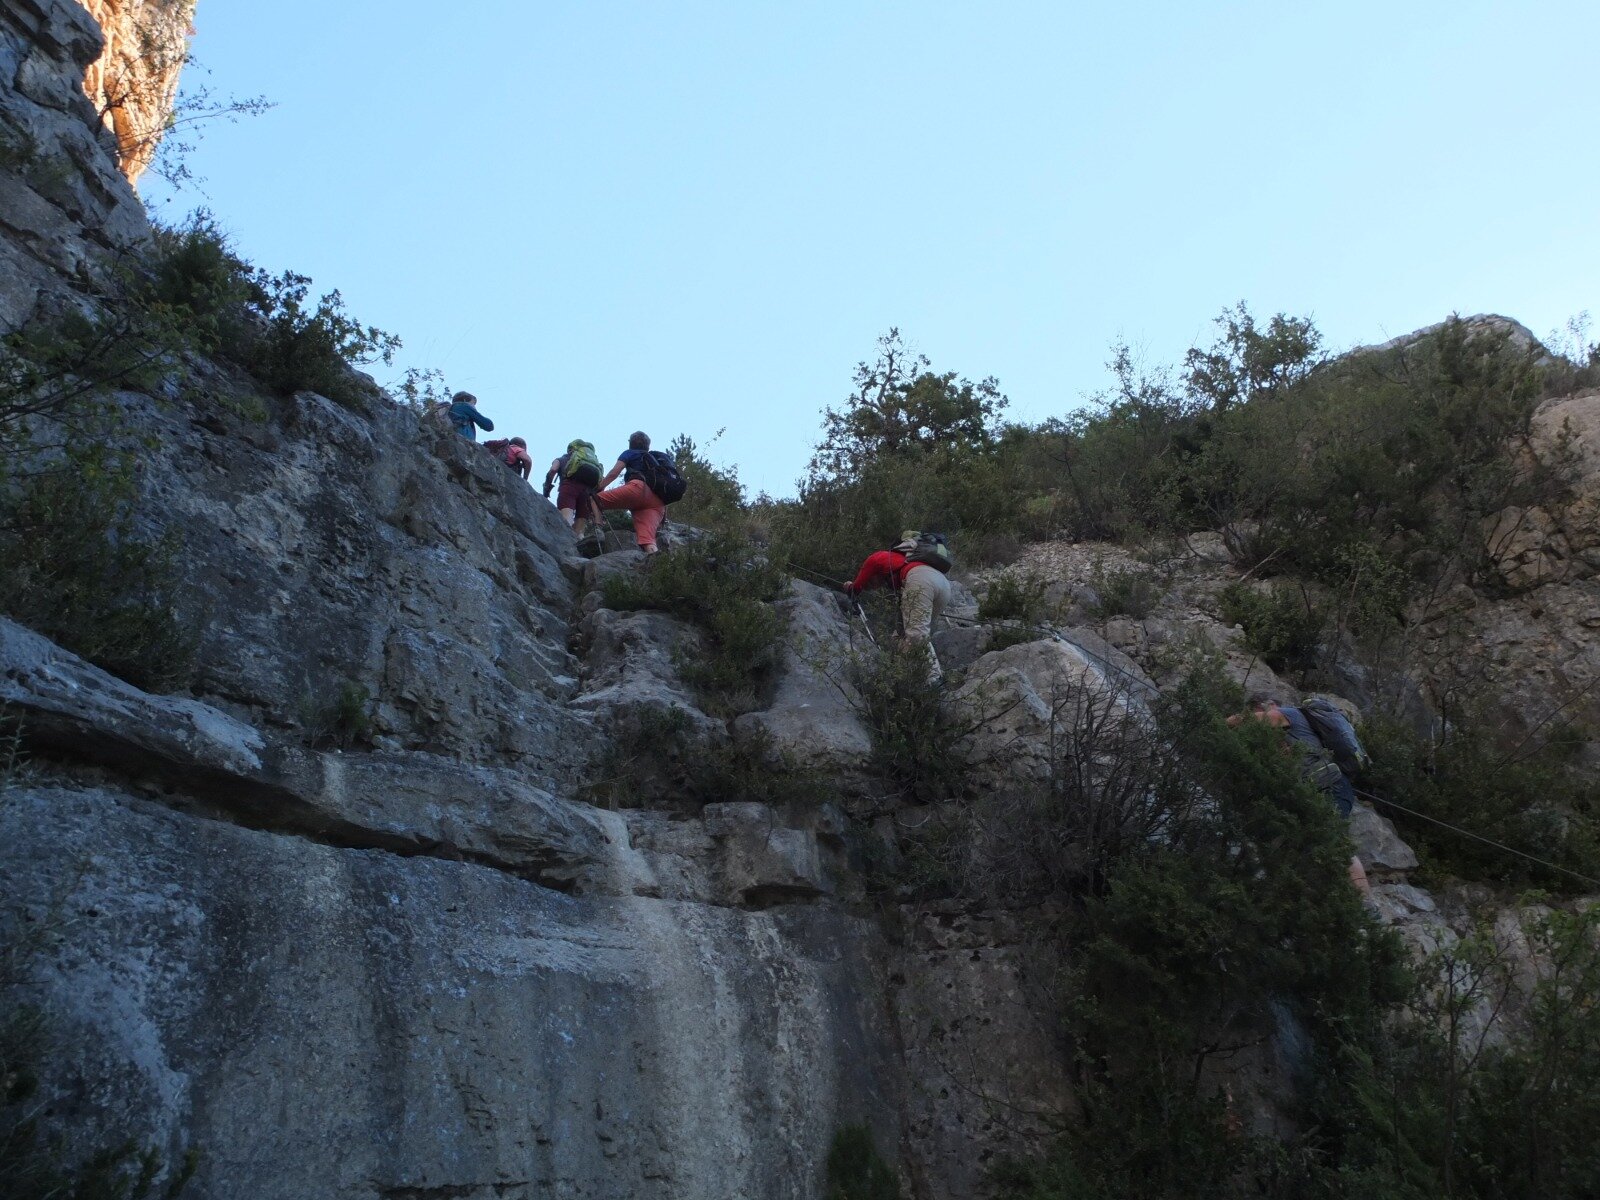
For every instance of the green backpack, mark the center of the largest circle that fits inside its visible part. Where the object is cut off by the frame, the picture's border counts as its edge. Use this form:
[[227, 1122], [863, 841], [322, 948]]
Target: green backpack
[[932, 550], [583, 464]]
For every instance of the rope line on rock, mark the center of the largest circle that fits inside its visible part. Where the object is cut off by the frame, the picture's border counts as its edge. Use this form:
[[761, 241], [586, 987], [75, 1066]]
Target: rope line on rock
[[1478, 837], [817, 575]]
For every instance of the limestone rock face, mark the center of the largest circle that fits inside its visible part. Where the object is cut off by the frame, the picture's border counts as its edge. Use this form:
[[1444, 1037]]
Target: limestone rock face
[[977, 1002], [63, 203], [421, 965], [347, 1023], [1019, 704], [326, 549], [1533, 546], [134, 82], [810, 721]]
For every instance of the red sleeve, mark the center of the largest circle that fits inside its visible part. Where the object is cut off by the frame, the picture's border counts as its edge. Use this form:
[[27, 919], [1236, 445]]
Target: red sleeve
[[879, 568]]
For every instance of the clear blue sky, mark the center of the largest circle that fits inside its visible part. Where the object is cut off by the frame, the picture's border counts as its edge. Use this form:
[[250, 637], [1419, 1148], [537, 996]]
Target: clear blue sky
[[687, 216]]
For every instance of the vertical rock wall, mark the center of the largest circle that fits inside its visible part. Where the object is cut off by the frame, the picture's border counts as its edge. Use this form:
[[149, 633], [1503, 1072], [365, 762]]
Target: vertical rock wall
[[65, 209], [133, 84]]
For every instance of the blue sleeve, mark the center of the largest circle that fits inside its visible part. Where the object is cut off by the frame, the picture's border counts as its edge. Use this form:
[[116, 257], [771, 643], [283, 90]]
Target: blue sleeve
[[483, 422]]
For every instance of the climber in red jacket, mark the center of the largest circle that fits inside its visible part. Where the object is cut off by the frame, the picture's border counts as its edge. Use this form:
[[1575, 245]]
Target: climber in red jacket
[[923, 591]]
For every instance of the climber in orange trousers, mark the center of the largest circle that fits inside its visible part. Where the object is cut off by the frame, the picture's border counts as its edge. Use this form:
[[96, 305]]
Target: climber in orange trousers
[[635, 495]]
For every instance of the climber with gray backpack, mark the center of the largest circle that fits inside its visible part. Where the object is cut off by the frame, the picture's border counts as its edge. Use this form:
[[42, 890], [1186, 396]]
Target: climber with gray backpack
[[915, 568], [1328, 749]]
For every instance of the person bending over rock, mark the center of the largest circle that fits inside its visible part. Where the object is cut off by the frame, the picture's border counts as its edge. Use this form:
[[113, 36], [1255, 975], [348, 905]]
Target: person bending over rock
[[465, 418], [514, 453], [635, 495], [922, 587], [1316, 764]]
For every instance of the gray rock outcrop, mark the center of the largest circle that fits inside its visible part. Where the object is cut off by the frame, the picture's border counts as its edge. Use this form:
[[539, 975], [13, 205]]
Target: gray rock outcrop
[[1018, 707], [812, 720], [64, 206]]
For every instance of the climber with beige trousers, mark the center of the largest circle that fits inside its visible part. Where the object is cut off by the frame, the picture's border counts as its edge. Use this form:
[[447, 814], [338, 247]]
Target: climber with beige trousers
[[915, 568]]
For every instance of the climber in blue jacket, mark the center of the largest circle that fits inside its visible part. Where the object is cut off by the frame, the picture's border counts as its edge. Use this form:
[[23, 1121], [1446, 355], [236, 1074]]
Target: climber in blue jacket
[[466, 418]]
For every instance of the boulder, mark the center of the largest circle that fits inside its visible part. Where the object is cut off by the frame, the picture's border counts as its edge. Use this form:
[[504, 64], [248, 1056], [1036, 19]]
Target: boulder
[[622, 560], [812, 721], [631, 672], [736, 854], [963, 605], [762, 861], [1017, 704], [1378, 846], [959, 646]]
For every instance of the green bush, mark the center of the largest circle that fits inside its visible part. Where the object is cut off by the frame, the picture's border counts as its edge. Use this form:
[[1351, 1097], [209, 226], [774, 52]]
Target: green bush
[[1003, 637], [1281, 623], [855, 1169], [729, 591], [297, 346], [1131, 591], [74, 568], [1191, 942], [1015, 597], [1370, 474], [913, 734], [1536, 797], [345, 721], [715, 499], [265, 323], [1439, 1110], [194, 271], [37, 1166], [657, 760], [74, 563]]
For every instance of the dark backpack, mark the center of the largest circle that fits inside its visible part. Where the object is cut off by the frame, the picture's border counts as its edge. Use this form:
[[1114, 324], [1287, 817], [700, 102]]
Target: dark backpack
[[932, 551], [1333, 730], [660, 475]]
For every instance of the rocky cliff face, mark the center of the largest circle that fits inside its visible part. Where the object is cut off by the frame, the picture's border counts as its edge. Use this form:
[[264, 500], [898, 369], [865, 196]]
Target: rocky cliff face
[[65, 209], [133, 83], [428, 966]]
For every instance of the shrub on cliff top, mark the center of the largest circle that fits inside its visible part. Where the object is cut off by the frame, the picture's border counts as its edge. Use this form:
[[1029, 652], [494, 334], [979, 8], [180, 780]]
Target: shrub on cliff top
[[265, 323]]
